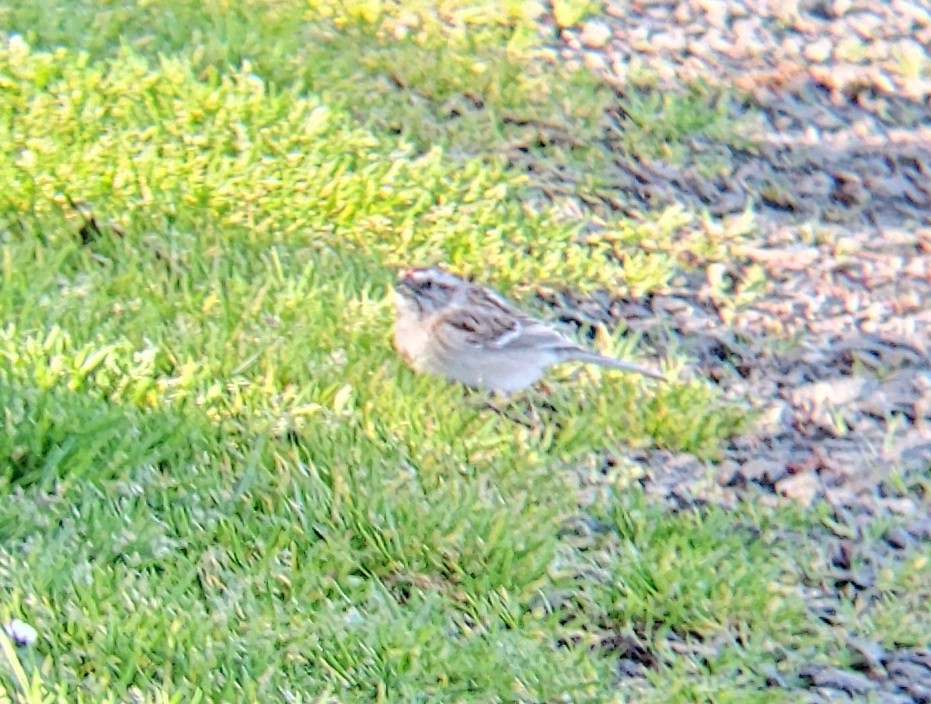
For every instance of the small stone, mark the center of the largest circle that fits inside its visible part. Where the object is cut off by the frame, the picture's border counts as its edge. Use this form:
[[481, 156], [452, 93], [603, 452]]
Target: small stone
[[670, 42], [865, 24], [717, 12], [893, 698], [20, 632], [800, 487], [630, 668], [764, 471], [595, 61], [572, 41], [839, 77], [913, 11], [908, 671], [836, 391], [774, 678], [790, 47], [617, 8], [841, 7], [726, 472], [620, 69], [901, 506], [898, 538], [860, 579], [595, 34], [850, 50], [919, 691], [910, 52], [819, 51], [775, 418], [851, 682], [916, 88], [917, 655], [921, 530], [869, 652]]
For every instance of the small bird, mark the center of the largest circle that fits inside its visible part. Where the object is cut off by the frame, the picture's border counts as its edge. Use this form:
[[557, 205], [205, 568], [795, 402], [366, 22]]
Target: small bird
[[455, 328]]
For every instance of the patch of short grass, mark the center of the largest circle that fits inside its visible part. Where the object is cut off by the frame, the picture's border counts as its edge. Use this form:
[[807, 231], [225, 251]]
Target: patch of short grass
[[222, 482], [254, 216], [568, 13], [472, 78], [710, 576], [467, 74], [890, 611], [656, 123]]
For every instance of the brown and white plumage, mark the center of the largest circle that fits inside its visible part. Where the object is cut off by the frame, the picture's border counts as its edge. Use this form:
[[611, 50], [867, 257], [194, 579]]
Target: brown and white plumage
[[448, 326]]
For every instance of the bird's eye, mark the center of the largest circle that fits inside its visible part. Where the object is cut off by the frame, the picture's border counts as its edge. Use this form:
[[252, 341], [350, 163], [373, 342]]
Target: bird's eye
[[428, 284]]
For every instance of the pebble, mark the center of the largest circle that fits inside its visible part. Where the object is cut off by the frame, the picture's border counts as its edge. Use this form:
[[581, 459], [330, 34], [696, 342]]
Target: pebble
[[20, 632], [893, 698], [800, 487], [866, 24], [595, 61], [595, 34], [670, 42], [790, 48], [831, 677], [911, 52], [869, 653], [913, 11], [819, 51], [920, 692], [715, 11], [841, 7], [617, 8], [908, 670], [775, 417], [572, 41]]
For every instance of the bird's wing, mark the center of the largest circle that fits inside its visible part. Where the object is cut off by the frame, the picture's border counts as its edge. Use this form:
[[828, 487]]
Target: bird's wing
[[477, 328], [524, 331], [500, 327], [533, 334]]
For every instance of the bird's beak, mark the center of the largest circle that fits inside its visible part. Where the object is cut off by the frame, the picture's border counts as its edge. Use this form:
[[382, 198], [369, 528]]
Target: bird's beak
[[404, 279], [406, 276]]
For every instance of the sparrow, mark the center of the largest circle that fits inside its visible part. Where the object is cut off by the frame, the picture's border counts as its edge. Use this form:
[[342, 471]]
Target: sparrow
[[457, 329]]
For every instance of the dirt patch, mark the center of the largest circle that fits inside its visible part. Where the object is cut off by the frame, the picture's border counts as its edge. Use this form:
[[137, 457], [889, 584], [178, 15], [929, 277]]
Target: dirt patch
[[840, 90], [835, 356], [898, 677]]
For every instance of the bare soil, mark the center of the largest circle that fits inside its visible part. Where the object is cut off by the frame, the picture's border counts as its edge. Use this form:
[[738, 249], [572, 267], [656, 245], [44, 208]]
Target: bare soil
[[835, 356]]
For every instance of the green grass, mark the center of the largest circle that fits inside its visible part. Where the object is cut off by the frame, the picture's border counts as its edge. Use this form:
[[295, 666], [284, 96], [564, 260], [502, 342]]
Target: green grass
[[221, 484]]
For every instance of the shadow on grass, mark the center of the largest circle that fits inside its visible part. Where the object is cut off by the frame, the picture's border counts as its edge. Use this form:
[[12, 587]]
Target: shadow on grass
[[54, 435]]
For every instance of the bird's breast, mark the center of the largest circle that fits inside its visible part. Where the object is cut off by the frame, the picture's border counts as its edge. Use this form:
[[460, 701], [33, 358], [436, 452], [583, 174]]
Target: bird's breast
[[411, 335]]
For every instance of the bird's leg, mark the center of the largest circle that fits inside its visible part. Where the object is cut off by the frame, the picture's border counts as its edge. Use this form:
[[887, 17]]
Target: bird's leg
[[543, 395], [504, 405]]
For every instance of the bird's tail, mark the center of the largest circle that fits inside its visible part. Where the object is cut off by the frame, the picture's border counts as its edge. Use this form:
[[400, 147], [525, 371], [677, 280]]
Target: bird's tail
[[612, 363]]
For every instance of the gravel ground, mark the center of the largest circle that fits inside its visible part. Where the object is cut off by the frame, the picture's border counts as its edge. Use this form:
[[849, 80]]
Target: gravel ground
[[836, 355], [842, 90]]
